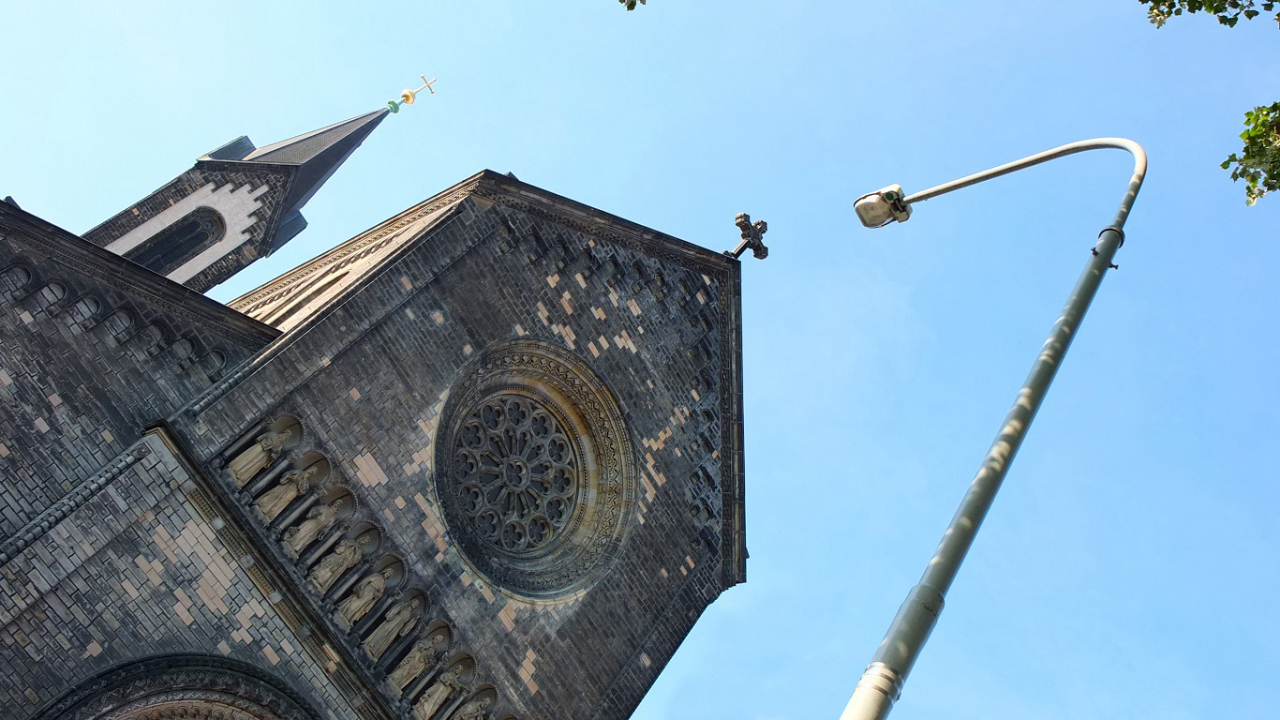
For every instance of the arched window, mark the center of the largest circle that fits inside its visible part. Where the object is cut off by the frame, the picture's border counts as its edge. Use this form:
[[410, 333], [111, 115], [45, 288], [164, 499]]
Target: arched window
[[189, 236], [14, 278], [188, 687]]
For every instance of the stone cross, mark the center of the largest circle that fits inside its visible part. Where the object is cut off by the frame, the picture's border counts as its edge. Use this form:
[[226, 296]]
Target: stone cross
[[752, 236]]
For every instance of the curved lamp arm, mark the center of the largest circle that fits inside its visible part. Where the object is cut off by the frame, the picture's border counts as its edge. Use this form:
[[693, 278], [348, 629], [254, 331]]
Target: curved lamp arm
[[884, 206], [882, 682]]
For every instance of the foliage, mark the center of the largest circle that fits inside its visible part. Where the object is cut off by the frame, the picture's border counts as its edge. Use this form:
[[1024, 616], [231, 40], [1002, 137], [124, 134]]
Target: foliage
[[631, 4], [1258, 164], [1228, 12]]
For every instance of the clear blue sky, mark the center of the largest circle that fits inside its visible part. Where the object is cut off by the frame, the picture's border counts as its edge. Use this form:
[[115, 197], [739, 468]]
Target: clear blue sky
[[1130, 565]]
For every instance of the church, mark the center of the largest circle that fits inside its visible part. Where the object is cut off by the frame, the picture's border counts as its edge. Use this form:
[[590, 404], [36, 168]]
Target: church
[[483, 461]]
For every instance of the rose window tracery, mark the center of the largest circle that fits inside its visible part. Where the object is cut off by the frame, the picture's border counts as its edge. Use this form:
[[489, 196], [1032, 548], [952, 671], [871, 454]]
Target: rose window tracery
[[534, 469], [517, 473]]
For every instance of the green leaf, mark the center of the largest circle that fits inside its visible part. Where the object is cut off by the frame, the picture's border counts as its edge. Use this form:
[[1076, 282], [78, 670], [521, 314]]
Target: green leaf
[[1258, 164]]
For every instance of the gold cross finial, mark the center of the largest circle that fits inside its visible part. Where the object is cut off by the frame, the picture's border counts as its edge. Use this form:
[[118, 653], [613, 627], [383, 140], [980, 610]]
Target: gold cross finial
[[407, 97], [410, 95]]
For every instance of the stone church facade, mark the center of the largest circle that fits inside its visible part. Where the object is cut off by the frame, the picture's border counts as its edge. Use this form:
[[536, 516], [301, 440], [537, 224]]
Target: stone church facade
[[483, 460]]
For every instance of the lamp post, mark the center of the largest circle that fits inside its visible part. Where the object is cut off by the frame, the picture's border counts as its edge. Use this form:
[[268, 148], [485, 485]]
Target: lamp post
[[881, 683]]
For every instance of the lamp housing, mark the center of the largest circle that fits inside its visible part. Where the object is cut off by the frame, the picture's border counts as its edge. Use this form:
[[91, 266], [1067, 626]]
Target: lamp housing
[[879, 208]]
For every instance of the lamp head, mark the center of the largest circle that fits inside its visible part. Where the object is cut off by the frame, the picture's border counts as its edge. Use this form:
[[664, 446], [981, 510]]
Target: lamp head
[[879, 208]]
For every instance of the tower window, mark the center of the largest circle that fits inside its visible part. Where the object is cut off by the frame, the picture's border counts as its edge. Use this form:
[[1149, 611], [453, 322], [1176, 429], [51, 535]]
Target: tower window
[[189, 236]]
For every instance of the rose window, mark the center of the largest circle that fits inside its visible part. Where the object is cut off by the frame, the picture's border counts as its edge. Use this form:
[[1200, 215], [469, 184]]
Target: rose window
[[534, 470], [517, 474]]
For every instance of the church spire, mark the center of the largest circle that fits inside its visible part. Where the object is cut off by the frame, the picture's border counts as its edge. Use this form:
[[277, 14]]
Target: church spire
[[317, 154], [237, 204]]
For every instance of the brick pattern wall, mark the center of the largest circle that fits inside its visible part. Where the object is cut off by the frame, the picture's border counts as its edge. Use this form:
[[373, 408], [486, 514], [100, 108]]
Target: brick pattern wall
[[144, 568], [657, 319], [92, 351], [151, 556]]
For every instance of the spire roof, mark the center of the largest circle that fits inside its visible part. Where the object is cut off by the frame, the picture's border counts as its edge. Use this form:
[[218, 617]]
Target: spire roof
[[317, 154]]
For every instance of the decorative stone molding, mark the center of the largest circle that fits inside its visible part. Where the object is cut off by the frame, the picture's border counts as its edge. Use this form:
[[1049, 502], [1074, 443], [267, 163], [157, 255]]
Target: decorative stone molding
[[338, 559], [81, 494], [535, 470], [188, 687]]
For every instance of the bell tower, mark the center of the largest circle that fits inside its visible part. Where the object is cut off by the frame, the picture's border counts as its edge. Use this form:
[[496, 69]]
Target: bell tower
[[237, 204]]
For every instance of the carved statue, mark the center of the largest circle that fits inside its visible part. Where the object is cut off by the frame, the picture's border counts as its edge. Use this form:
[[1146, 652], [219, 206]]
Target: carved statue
[[319, 519], [439, 692], [343, 558], [363, 598], [399, 620], [293, 484], [264, 450], [476, 709], [418, 658]]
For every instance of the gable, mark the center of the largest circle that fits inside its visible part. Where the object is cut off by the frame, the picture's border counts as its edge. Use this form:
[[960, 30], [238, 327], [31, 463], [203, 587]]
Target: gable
[[290, 299], [541, 321]]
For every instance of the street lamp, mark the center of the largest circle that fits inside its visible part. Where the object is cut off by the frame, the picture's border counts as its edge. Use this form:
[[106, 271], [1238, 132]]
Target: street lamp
[[881, 683]]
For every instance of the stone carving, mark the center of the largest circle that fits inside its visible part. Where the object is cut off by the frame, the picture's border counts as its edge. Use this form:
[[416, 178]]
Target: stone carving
[[422, 654], [343, 558], [518, 473], [319, 519], [752, 236], [400, 619], [293, 484], [476, 709], [363, 598], [254, 459], [190, 687], [436, 695], [533, 516]]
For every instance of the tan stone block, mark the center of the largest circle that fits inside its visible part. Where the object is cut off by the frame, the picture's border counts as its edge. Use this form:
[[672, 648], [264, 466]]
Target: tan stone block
[[368, 471]]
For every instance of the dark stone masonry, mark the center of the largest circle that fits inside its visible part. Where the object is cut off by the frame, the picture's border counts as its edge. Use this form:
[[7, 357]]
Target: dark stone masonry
[[483, 460]]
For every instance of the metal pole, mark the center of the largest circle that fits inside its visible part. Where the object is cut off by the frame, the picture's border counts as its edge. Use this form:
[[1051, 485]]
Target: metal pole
[[881, 683]]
